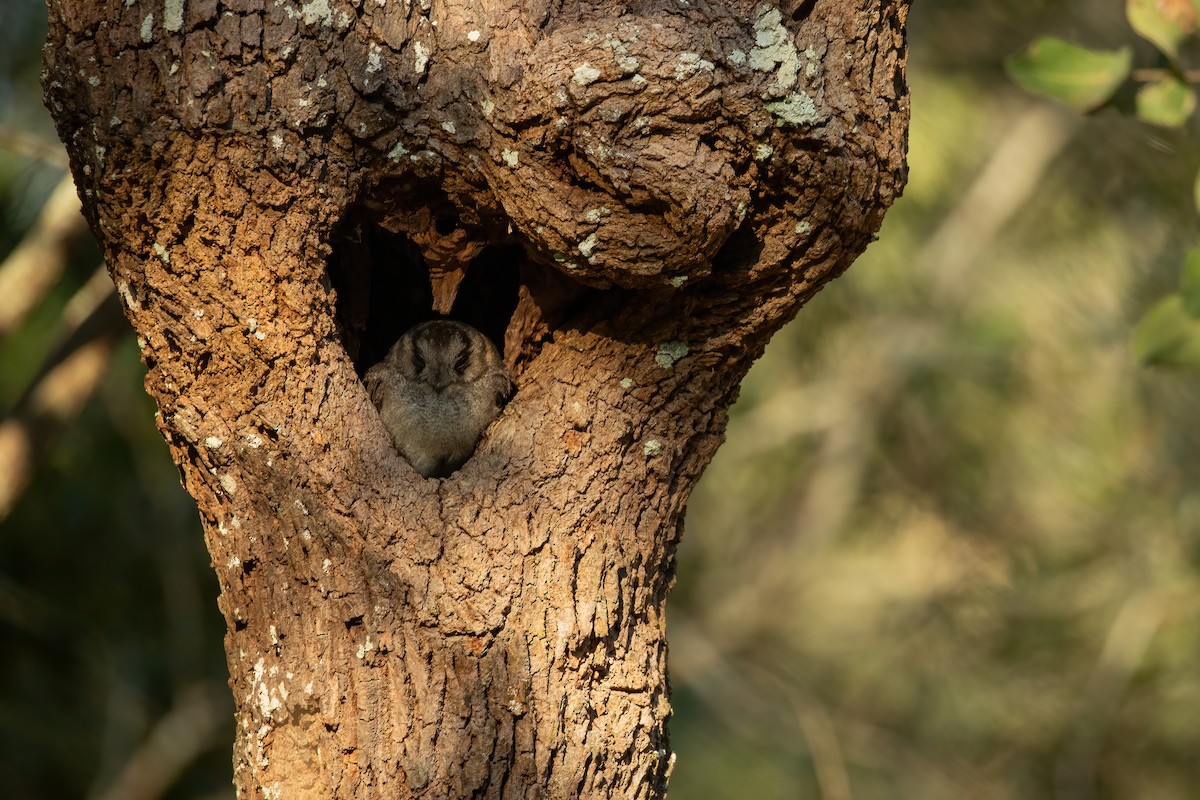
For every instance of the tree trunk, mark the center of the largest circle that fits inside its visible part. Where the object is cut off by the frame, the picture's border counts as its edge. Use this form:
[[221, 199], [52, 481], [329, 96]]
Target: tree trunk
[[630, 196]]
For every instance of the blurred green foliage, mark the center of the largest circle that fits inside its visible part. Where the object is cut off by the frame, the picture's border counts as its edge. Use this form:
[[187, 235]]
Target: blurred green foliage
[[1084, 78], [1080, 78], [949, 549], [108, 612]]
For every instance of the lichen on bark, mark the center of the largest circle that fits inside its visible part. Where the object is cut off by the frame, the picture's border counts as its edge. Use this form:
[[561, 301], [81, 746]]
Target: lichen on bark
[[634, 195]]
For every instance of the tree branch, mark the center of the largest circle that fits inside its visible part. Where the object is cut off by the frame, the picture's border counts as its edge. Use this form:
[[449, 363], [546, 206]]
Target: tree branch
[[37, 262]]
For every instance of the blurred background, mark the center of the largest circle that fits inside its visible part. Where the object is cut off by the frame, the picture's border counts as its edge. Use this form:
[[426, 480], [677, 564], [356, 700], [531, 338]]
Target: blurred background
[[949, 549]]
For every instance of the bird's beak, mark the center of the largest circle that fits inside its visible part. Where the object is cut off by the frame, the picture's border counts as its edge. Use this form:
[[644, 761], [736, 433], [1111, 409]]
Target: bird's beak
[[439, 380]]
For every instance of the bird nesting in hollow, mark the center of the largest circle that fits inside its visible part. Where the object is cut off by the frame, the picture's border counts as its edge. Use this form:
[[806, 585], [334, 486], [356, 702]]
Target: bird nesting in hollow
[[437, 389]]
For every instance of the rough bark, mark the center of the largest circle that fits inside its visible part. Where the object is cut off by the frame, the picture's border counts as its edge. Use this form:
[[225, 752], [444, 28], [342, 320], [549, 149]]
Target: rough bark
[[645, 191]]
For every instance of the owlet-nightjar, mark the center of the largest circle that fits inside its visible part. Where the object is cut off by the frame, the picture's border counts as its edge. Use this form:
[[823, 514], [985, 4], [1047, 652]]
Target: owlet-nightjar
[[438, 387]]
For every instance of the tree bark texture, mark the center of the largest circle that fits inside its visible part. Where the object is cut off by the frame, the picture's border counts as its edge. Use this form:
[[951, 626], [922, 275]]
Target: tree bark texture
[[645, 192]]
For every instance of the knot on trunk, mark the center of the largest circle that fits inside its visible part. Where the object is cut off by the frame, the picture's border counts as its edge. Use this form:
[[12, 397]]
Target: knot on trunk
[[630, 152]]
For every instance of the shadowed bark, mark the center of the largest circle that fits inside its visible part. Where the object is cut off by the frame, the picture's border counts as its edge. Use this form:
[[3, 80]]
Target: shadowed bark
[[629, 196]]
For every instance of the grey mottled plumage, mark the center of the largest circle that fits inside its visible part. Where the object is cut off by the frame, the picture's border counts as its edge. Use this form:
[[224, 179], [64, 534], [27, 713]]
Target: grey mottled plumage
[[436, 390]]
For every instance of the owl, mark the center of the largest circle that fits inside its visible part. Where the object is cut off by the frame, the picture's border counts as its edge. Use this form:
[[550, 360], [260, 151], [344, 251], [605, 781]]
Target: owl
[[437, 389]]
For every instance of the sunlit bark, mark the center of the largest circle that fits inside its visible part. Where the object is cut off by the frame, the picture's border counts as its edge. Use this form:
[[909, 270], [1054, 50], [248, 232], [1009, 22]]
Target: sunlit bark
[[667, 182]]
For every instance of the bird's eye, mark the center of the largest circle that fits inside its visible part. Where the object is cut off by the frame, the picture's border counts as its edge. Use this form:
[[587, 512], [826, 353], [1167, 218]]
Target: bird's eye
[[460, 365], [418, 362]]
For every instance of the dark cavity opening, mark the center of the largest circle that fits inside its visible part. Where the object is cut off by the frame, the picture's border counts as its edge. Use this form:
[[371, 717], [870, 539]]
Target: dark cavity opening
[[739, 253], [383, 287], [802, 10]]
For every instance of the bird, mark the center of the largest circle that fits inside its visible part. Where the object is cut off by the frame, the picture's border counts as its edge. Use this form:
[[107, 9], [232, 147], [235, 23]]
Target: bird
[[437, 389]]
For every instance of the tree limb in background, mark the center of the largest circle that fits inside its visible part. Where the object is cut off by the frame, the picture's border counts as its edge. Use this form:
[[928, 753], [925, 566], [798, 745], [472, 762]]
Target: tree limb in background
[[31, 146], [183, 734], [37, 262], [1012, 174], [92, 323], [1004, 185]]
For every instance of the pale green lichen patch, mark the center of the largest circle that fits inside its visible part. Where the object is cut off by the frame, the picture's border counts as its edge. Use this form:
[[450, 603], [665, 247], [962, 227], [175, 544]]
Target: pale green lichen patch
[[510, 157], [588, 245], [585, 74], [762, 152], [559, 258], [147, 29], [594, 215], [316, 11], [421, 58], [621, 55], [626, 384], [652, 448], [173, 15], [774, 50], [449, 127], [688, 64], [795, 109], [803, 227], [678, 280], [813, 68], [374, 59], [364, 648], [670, 352], [162, 253]]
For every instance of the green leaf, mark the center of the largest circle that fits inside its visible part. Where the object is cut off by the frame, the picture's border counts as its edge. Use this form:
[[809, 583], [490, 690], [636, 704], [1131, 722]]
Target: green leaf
[[1165, 23], [1190, 284], [1167, 101], [1076, 76], [1167, 335]]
